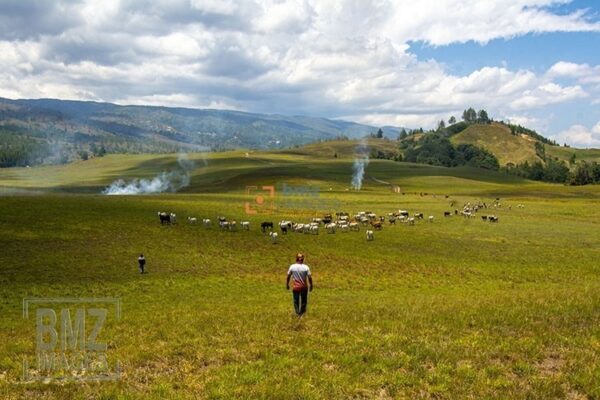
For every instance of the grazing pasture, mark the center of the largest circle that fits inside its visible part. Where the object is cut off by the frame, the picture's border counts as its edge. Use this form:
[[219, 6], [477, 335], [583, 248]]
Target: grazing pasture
[[458, 308]]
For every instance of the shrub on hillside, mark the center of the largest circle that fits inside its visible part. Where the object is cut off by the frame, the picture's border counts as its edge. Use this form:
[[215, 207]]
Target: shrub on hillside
[[436, 149]]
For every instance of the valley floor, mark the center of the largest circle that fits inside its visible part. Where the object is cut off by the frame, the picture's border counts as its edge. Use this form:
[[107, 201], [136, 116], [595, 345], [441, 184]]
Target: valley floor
[[457, 308]]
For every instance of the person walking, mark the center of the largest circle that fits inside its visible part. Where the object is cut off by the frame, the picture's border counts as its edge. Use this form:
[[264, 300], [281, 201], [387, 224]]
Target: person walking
[[142, 263], [302, 284]]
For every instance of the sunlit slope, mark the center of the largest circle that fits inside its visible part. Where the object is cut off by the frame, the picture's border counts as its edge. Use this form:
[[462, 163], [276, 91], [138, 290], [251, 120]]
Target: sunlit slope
[[233, 172], [498, 140], [565, 153], [342, 148], [509, 148]]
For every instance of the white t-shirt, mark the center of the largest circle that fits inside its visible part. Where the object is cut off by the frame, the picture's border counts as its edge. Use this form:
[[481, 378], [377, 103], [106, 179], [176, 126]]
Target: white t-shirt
[[300, 274]]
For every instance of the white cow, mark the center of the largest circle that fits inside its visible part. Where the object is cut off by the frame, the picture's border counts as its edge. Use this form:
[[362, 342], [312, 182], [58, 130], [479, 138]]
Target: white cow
[[353, 226], [173, 218], [245, 225], [370, 235], [192, 220], [431, 218], [285, 226], [206, 222], [330, 227], [274, 237]]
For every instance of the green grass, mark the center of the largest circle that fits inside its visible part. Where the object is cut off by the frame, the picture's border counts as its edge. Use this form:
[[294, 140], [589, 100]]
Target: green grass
[[453, 309], [565, 153], [342, 148], [498, 140], [509, 148]]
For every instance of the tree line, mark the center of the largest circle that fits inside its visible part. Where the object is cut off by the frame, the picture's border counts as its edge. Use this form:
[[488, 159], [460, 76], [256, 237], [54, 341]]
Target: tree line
[[436, 149], [557, 171]]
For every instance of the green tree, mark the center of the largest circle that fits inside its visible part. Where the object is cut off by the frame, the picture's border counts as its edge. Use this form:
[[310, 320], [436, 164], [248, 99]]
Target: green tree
[[403, 134], [540, 150], [556, 171], [572, 159], [379, 133], [583, 174], [469, 115], [482, 117], [452, 120], [441, 125], [595, 170]]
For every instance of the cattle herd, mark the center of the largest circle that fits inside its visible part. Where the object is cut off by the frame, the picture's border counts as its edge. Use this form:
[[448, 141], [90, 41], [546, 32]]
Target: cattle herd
[[340, 222]]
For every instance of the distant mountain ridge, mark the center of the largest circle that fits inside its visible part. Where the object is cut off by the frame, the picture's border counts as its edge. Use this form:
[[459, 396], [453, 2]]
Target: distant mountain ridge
[[73, 126]]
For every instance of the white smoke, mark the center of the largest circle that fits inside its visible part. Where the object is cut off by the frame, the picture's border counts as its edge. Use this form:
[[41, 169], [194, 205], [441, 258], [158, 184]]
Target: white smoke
[[361, 160], [164, 182]]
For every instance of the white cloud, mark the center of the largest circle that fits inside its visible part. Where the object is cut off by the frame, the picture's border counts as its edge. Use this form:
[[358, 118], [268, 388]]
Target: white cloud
[[328, 58], [538, 124], [215, 6], [404, 120], [548, 93], [580, 136], [583, 73], [442, 22]]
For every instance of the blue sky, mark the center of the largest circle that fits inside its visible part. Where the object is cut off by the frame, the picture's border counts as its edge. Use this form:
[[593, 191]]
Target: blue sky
[[535, 52], [532, 52], [382, 62]]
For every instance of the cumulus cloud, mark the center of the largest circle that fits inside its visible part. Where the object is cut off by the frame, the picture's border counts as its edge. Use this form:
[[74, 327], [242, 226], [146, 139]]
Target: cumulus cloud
[[580, 136], [583, 73], [548, 93], [436, 21], [325, 58]]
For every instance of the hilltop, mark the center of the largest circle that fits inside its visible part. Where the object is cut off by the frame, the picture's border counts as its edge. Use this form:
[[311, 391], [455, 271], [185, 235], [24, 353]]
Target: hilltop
[[516, 148]]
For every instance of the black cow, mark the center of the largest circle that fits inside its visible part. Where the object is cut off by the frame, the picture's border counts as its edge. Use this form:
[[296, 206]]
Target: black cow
[[164, 218], [266, 225], [447, 213]]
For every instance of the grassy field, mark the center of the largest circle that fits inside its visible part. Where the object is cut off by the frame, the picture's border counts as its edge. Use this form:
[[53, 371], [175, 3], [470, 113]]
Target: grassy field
[[457, 308]]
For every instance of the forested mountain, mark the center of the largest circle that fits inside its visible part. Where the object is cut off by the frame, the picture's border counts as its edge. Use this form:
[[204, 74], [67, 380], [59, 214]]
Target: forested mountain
[[50, 130]]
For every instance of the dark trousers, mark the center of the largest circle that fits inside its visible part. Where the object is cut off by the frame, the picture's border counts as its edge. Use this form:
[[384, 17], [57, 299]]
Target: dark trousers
[[142, 267], [300, 301]]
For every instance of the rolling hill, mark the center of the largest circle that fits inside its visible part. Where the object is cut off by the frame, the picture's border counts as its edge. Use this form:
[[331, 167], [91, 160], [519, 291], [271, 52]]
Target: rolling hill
[[233, 171], [508, 148]]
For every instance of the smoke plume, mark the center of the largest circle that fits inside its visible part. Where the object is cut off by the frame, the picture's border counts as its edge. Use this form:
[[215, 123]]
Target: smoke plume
[[361, 160], [170, 181]]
